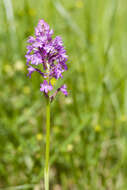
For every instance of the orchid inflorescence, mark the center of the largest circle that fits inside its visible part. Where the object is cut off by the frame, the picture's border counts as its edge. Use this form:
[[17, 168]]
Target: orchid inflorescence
[[50, 54]]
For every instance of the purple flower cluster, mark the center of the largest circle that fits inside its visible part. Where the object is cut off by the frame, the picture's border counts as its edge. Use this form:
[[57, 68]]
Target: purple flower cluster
[[50, 54]]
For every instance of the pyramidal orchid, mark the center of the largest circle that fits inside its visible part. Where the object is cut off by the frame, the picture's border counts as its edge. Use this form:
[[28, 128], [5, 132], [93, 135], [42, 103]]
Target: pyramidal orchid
[[48, 53], [46, 56]]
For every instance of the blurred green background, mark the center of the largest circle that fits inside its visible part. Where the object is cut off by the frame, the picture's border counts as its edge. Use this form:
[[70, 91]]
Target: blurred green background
[[89, 127]]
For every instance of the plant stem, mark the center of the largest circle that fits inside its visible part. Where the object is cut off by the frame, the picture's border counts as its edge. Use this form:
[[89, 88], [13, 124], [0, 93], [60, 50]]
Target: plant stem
[[46, 175]]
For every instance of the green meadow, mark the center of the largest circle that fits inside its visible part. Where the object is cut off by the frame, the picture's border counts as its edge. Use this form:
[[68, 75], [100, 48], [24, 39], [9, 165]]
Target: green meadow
[[89, 127]]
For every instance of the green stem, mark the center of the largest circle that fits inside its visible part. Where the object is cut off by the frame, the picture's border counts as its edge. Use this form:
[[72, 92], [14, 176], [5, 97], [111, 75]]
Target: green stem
[[46, 176]]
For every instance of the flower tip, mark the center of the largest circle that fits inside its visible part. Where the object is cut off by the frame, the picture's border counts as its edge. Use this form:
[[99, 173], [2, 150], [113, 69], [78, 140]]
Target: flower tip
[[63, 89], [45, 87]]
